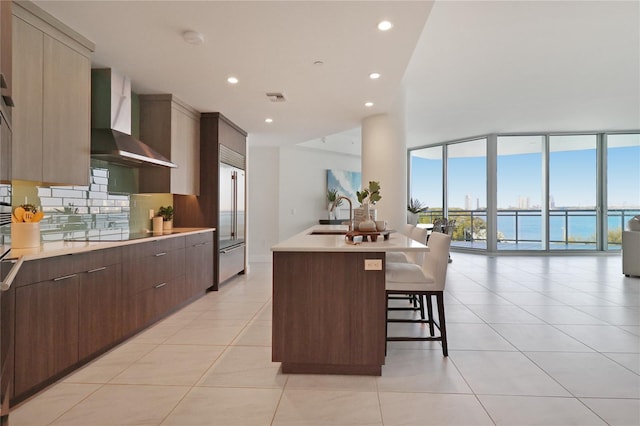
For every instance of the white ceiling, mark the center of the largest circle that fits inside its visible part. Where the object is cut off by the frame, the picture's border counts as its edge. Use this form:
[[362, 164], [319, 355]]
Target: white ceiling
[[270, 46], [466, 68], [524, 66]]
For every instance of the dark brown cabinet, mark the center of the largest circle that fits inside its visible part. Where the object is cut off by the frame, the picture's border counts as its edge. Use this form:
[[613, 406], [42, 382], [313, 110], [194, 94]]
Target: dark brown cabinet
[[199, 267], [46, 330], [221, 141], [7, 338], [100, 309], [172, 128], [66, 310], [151, 272]]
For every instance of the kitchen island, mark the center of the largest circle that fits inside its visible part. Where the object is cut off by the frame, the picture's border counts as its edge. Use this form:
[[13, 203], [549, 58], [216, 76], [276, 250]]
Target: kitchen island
[[329, 301]]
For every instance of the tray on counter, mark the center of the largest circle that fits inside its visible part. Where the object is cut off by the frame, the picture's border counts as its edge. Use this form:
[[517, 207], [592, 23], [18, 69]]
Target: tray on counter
[[368, 235]]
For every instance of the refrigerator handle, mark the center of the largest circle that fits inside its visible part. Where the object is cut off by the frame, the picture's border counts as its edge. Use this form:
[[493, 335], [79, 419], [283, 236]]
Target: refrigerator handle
[[234, 205]]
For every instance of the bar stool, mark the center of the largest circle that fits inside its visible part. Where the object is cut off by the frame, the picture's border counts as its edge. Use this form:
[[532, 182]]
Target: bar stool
[[427, 280]]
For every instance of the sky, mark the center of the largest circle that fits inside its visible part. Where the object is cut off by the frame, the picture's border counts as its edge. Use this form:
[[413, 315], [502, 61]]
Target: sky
[[572, 179]]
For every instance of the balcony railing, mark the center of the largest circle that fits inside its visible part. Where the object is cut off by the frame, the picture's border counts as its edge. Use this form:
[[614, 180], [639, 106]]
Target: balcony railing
[[568, 228]]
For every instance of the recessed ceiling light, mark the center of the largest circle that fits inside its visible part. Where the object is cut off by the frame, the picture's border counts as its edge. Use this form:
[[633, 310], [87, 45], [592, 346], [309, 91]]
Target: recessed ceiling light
[[385, 25], [193, 37], [232, 80], [374, 75], [368, 104], [268, 120]]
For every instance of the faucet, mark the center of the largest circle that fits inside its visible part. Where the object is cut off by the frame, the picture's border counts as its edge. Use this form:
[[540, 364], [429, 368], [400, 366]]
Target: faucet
[[335, 204]]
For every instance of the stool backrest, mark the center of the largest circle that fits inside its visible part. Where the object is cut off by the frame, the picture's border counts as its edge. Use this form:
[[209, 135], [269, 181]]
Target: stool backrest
[[436, 260], [406, 229], [420, 235]]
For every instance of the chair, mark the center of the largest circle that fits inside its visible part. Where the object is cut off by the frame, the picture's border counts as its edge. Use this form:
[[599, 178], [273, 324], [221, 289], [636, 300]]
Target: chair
[[420, 235], [445, 226], [398, 256], [425, 281]]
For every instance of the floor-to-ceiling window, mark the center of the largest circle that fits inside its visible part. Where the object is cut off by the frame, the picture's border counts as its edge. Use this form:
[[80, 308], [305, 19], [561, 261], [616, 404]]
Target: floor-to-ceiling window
[[623, 185], [554, 192], [520, 190], [426, 177], [467, 192], [572, 192]]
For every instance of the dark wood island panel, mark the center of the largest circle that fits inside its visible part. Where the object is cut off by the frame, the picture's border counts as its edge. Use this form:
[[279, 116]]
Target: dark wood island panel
[[328, 313]]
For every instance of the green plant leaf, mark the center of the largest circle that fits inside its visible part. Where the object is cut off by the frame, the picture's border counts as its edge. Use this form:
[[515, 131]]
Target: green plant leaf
[[362, 195]]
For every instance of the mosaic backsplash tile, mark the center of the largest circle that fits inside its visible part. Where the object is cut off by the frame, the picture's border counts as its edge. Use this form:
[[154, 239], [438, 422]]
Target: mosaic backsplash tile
[[85, 212]]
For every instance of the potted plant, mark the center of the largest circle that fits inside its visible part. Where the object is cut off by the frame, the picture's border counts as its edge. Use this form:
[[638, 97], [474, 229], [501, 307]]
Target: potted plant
[[365, 217], [332, 195], [167, 217], [415, 207]]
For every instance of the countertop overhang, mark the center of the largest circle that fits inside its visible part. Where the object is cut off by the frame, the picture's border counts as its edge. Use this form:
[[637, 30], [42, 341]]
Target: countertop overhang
[[319, 238]]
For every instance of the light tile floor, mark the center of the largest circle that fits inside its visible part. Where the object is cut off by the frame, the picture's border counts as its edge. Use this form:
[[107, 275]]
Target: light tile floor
[[533, 340]]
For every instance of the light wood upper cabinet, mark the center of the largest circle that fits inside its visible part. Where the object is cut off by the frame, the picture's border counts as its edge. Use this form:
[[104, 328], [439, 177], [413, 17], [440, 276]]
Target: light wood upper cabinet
[[28, 43], [52, 96], [6, 69], [173, 129], [66, 147]]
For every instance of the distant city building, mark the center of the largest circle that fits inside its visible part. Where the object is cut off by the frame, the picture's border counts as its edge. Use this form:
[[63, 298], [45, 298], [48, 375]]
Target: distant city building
[[467, 202], [552, 202], [477, 203], [523, 203]]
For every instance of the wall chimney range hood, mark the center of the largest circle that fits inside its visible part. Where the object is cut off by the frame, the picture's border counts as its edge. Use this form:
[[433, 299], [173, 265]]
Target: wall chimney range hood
[[111, 138]]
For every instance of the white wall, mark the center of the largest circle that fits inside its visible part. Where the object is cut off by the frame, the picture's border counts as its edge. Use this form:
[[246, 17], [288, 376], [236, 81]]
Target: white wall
[[287, 193], [262, 204]]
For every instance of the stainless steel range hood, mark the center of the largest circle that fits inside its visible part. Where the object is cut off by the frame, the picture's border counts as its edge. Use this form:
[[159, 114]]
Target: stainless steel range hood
[[111, 138]]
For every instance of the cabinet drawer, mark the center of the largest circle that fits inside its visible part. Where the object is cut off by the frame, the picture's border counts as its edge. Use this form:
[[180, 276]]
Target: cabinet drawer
[[149, 305], [153, 270], [39, 270], [97, 259], [151, 248], [231, 263], [200, 238]]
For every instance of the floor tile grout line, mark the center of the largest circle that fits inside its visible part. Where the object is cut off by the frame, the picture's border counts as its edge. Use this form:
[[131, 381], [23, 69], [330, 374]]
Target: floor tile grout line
[[77, 403], [275, 411]]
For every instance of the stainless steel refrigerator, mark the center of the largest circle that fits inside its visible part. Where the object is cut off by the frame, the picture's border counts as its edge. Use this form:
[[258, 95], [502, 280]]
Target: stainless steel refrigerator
[[231, 226]]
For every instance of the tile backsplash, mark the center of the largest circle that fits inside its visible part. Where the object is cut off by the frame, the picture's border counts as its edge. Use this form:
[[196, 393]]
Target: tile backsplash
[[79, 212]]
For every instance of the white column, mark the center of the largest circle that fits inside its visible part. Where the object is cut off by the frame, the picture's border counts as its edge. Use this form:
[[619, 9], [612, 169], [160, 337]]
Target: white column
[[384, 159]]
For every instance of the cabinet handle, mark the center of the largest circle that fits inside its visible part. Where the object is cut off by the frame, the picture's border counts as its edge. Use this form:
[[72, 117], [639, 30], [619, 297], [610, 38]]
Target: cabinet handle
[[159, 254], [66, 277], [160, 285], [229, 250], [3, 82], [91, 271]]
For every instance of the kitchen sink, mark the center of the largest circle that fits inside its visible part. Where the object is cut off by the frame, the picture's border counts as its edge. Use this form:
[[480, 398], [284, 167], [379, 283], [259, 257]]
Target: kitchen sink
[[328, 232]]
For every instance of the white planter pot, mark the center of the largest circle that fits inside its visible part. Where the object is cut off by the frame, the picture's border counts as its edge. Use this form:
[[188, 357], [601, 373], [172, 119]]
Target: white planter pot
[[412, 218]]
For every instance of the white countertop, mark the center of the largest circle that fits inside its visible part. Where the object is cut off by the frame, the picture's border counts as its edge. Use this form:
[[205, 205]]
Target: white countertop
[[305, 241], [59, 248]]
